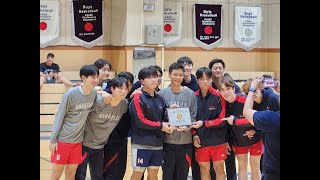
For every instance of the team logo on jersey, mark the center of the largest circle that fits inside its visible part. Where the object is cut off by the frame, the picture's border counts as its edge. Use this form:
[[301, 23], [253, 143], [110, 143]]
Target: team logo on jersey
[[212, 108]]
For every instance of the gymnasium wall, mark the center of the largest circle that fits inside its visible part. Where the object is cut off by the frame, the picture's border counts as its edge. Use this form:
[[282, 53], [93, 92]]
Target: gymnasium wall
[[124, 29]]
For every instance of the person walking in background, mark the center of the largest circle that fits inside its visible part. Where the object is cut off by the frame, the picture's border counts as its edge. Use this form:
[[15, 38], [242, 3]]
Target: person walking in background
[[68, 126], [50, 73], [268, 122]]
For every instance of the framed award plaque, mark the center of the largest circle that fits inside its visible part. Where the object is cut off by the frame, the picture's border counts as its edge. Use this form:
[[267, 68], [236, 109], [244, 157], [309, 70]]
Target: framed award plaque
[[179, 116]]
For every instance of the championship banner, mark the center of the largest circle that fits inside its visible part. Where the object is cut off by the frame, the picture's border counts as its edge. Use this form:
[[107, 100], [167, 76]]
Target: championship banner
[[247, 27], [172, 23], [49, 22], [87, 22], [207, 25]]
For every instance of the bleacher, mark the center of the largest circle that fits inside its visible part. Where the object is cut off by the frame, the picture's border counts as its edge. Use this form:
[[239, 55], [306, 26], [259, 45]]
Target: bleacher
[[50, 97]]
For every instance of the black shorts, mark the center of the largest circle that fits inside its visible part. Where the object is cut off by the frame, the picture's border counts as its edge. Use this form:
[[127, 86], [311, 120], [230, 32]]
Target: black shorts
[[51, 80]]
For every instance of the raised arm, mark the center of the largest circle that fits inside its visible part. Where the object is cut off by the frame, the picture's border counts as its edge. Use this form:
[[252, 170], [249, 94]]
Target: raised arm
[[248, 110]]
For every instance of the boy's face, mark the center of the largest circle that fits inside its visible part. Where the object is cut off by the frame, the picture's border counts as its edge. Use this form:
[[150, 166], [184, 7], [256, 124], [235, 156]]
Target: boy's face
[[49, 61], [257, 96], [120, 92], [104, 72], [204, 82], [150, 82], [217, 70], [176, 76], [187, 69], [90, 81], [227, 92]]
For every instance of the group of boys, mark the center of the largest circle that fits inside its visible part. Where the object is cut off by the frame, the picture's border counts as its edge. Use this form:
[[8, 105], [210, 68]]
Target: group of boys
[[84, 115]]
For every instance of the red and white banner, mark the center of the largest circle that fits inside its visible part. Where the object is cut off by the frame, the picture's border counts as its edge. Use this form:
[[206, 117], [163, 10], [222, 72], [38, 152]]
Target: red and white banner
[[87, 22], [172, 23], [49, 22], [207, 25], [247, 27]]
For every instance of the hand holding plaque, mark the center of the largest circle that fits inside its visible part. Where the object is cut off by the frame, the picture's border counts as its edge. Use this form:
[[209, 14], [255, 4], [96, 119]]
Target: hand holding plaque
[[179, 116]]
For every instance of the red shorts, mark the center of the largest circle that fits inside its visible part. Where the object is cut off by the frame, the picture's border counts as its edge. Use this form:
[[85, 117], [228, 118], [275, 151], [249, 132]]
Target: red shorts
[[256, 149], [217, 153], [67, 153]]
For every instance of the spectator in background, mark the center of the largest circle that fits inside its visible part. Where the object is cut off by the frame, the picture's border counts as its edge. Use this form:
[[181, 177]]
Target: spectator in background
[[246, 86], [269, 122], [50, 72], [276, 88]]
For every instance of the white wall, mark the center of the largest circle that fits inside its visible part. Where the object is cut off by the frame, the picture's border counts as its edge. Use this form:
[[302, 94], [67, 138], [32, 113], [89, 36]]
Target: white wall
[[125, 21]]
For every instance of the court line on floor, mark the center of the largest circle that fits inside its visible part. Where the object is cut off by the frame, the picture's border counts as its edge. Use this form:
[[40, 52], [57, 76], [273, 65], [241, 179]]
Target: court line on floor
[[44, 137]]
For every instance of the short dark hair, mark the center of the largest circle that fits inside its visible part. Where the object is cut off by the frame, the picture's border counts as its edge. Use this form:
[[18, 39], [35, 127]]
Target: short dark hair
[[213, 61], [267, 76], [127, 75], [227, 81], [185, 59], [147, 72], [203, 70], [101, 62], [119, 81], [159, 69], [89, 70], [175, 66], [50, 55]]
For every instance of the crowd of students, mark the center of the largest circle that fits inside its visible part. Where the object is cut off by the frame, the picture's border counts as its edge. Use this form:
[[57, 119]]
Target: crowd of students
[[94, 120]]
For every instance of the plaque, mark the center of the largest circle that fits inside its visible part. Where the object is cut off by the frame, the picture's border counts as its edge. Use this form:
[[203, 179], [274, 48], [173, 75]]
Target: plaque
[[179, 116]]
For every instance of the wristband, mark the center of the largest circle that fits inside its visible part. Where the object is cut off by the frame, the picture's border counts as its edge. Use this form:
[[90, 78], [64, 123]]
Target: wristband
[[252, 89]]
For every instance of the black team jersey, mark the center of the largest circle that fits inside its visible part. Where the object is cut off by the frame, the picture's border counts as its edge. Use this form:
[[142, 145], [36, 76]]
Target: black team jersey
[[148, 113], [210, 110], [240, 123]]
